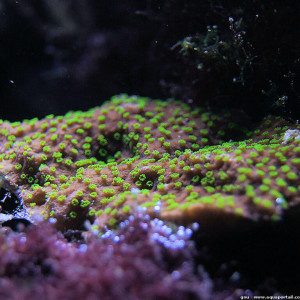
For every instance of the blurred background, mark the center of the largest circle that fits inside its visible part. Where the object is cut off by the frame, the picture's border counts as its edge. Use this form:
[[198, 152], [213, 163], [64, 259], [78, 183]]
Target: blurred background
[[61, 55]]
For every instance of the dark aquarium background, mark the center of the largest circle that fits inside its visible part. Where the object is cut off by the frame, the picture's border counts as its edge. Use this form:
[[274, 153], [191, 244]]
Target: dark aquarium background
[[60, 55]]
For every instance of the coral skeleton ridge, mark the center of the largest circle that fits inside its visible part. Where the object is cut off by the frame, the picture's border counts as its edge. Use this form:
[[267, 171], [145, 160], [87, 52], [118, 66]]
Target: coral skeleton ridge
[[177, 161]]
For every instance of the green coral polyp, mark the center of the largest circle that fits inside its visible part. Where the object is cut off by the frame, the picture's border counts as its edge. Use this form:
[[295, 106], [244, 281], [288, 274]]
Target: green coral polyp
[[149, 151]]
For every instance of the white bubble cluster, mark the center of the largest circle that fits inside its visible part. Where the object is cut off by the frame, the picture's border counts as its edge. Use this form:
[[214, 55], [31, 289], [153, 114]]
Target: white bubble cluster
[[165, 235], [158, 231]]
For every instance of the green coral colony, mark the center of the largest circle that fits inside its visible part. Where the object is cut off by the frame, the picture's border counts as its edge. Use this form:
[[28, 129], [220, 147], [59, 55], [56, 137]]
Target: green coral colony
[[177, 161]]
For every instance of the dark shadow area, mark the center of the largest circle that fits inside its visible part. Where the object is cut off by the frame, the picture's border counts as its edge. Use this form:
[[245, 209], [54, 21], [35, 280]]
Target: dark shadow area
[[57, 56], [17, 224], [266, 255], [9, 202], [11, 206]]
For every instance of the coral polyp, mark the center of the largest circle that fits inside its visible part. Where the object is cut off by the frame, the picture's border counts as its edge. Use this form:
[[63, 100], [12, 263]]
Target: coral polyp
[[179, 162]]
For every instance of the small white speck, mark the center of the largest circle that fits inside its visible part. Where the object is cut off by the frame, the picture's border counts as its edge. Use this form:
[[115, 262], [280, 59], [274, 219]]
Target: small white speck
[[95, 232], [155, 236], [139, 209], [179, 243], [122, 225], [173, 237], [146, 217], [235, 276], [162, 239], [195, 226], [144, 226], [135, 191], [160, 223], [167, 244], [175, 275], [279, 200], [188, 232], [157, 208], [87, 225], [167, 230], [116, 239], [291, 133], [82, 248], [23, 239], [180, 233], [52, 220]]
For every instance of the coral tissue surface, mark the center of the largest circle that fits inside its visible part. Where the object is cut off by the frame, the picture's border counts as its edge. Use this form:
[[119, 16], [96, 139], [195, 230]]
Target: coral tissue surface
[[183, 164]]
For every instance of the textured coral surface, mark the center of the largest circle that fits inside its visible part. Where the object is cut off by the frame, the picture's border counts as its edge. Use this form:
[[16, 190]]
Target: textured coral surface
[[179, 162], [131, 263]]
